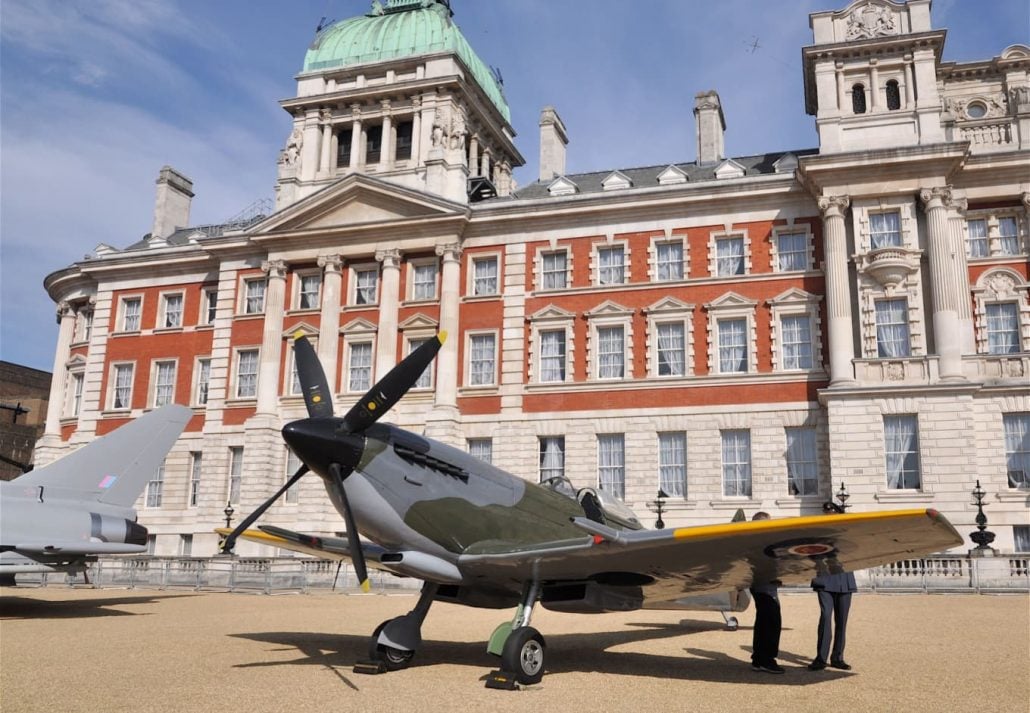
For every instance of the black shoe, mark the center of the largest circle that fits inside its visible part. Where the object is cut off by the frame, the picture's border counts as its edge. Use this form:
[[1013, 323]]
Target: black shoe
[[768, 667], [817, 665], [839, 663]]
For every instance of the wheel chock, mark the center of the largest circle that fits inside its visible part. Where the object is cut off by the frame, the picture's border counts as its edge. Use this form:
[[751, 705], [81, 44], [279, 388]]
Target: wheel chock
[[502, 680], [370, 668]]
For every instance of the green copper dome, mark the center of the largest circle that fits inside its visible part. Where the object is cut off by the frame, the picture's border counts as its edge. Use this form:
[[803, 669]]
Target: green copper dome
[[403, 28]]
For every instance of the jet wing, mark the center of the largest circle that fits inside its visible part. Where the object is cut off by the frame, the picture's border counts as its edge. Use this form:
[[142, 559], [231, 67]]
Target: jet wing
[[33, 549], [669, 564]]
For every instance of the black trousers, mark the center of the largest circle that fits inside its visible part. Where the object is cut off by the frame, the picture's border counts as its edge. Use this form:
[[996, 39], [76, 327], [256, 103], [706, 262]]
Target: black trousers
[[765, 643], [835, 605]]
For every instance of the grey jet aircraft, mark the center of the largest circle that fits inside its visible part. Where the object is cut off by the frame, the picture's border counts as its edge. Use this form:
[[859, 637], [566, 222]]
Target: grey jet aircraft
[[479, 536], [61, 516]]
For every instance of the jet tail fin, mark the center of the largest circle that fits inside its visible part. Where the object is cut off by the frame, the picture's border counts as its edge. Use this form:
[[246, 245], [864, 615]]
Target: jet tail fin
[[115, 468]]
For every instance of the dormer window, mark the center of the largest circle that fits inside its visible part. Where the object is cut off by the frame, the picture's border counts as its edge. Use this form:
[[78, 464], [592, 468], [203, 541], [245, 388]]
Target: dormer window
[[858, 99], [893, 95]]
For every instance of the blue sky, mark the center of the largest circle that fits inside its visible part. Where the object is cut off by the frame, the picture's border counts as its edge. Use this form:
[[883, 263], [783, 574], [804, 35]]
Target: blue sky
[[96, 96]]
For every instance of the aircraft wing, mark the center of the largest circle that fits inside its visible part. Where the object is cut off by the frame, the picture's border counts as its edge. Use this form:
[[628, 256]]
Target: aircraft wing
[[669, 564], [335, 548], [77, 547]]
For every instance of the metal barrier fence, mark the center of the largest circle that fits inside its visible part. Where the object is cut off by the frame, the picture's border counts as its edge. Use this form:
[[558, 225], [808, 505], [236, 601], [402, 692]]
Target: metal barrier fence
[[1006, 573]]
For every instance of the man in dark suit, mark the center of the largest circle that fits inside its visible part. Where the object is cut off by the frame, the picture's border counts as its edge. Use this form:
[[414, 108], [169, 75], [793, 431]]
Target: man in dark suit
[[765, 643], [834, 592]]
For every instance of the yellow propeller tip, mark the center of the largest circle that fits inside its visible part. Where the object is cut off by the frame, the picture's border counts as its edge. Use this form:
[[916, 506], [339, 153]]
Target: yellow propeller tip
[[366, 586], [298, 334], [442, 336]]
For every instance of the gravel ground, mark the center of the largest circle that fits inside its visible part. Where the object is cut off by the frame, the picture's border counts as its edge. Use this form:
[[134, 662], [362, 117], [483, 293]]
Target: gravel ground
[[134, 650]]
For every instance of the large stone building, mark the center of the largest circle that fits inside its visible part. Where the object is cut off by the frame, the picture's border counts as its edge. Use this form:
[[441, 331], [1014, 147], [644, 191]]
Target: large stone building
[[23, 408], [741, 332]]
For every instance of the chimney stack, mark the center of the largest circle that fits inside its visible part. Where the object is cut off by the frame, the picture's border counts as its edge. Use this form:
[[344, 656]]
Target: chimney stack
[[710, 126], [172, 204], [553, 141]]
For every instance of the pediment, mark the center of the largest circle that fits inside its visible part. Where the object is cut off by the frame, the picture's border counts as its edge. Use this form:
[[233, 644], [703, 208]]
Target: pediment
[[730, 300], [794, 296], [358, 326], [551, 312], [672, 176], [615, 181], [669, 305], [419, 321], [729, 169], [562, 186], [300, 329], [357, 200], [77, 360], [608, 308]]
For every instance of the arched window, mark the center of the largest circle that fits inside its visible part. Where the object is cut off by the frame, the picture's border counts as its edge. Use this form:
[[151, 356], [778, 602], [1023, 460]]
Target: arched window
[[858, 99], [893, 95]]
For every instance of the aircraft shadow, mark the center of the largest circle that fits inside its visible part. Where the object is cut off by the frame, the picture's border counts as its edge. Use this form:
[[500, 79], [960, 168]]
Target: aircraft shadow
[[566, 653], [15, 607]]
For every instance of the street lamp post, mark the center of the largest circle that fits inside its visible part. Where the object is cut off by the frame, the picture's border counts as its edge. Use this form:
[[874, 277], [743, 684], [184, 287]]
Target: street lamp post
[[659, 504], [982, 537], [843, 496], [228, 514]]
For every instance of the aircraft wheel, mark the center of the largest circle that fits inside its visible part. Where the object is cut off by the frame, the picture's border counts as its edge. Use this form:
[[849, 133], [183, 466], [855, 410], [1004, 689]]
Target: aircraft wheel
[[394, 659], [732, 623], [523, 655]]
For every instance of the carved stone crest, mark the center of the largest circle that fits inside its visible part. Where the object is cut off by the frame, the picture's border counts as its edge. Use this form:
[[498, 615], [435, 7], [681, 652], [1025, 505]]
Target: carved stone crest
[[870, 21]]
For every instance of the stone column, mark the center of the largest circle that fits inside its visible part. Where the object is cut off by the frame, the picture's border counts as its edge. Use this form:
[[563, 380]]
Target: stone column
[[842, 91], [309, 150], [416, 132], [945, 282], [910, 97], [327, 142], [447, 359], [329, 321], [474, 155], [838, 292], [957, 235], [355, 137], [55, 404], [389, 303], [271, 338], [874, 85], [386, 146]]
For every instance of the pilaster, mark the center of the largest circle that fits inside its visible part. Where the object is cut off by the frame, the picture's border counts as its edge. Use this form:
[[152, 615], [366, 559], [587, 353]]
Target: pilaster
[[55, 405], [271, 338]]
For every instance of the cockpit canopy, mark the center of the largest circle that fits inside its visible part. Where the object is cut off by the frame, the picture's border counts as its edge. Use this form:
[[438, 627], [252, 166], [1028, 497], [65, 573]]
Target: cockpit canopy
[[598, 504]]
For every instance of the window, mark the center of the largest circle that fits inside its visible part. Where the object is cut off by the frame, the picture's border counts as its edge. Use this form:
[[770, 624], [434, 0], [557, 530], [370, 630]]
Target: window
[[359, 367], [196, 469], [901, 446], [482, 350], [736, 463], [669, 261], [75, 381], [1008, 236], [246, 373], [1017, 449], [892, 335], [484, 275], [209, 306], [611, 352], [404, 132], [1021, 538], [481, 448], [254, 296], [155, 486], [732, 346], [802, 466], [977, 241], [729, 256], [554, 268], [797, 341], [185, 545], [235, 474], [611, 268], [671, 350], [308, 290], [373, 143], [203, 370], [672, 464], [552, 457], [343, 148], [122, 391], [1002, 328], [552, 355], [151, 544], [423, 281], [365, 286], [172, 307], [611, 464], [83, 325], [858, 99], [293, 464], [885, 230], [425, 379], [131, 311], [893, 95], [792, 252], [164, 383]]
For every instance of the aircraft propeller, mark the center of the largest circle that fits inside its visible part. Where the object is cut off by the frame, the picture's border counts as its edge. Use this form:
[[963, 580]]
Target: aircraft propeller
[[334, 446]]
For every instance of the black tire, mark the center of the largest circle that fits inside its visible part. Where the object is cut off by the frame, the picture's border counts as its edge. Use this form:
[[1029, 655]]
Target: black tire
[[393, 659], [524, 654]]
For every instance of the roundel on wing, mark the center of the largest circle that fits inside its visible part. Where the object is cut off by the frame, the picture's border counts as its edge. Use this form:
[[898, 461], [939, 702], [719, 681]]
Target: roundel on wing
[[806, 548]]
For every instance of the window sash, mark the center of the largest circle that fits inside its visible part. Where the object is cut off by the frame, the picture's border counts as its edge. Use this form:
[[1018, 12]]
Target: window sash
[[293, 463], [77, 381], [359, 367], [203, 380], [802, 463], [671, 350], [672, 464], [481, 448], [1017, 449], [155, 487], [1008, 236], [164, 383], [611, 266], [173, 311], [736, 463], [424, 282], [196, 471], [797, 341], [131, 314], [1002, 328], [210, 306], [255, 298], [732, 346], [729, 256], [235, 473], [901, 446], [246, 374], [425, 379], [484, 276], [555, 266], [611, 353], [123, 386], [309, 289], [481, 359], [611, 464], [552, 355], [892, 332], [365, 286], [977, 242], [669, 261], [885, 230], [792, 252], [552, 457]]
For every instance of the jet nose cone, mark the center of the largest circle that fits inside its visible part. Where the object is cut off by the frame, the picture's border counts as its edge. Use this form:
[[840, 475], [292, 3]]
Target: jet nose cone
[[319, 442]]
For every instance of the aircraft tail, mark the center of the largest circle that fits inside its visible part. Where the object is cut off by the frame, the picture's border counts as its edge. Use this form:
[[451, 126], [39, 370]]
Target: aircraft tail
[[116, 467]]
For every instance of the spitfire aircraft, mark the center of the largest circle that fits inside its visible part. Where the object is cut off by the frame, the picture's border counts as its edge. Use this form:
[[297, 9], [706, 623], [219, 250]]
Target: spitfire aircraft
[[59, 517], [479, 536]]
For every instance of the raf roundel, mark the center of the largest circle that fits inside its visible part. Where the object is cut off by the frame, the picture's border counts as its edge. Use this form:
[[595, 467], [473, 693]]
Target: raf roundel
[[801, 549]]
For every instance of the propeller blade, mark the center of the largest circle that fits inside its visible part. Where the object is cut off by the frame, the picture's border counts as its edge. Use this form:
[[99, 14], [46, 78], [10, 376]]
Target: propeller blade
[[230, 541], [389, 390], [353, 540], [317, 395]]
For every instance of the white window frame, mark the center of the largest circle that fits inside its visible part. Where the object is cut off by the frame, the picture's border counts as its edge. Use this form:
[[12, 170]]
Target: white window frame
[[1001, 285], [75, 383], [659, 241], [470, 375], [123, 302], [551, 319], [606, 316], [784, 231], [298, 284], [234, 483], [155, 372], [795, 303], [611, 470], [713, 252], [196, 460], [873, 215], [416, 264], [672, 475], [352, 283], [481, 448], [801, 466], [909, 351], [413, 340], [889, 446], [291, 381], [548, 471], [195, 387], [165, 298], [476, 259], [669, 310], [736, 464], [541, 284], [112, 385], [907, 221], [1016, 427], [349, 346], [244, 307], [996, 247], [236, 359], [728, 307], [154, 494], [596, 267], [83, 324], [205, 318], [291, 463]]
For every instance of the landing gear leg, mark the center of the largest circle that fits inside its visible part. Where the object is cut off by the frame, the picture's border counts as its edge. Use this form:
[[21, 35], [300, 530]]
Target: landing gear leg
[[522, 648], [395, 641]]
